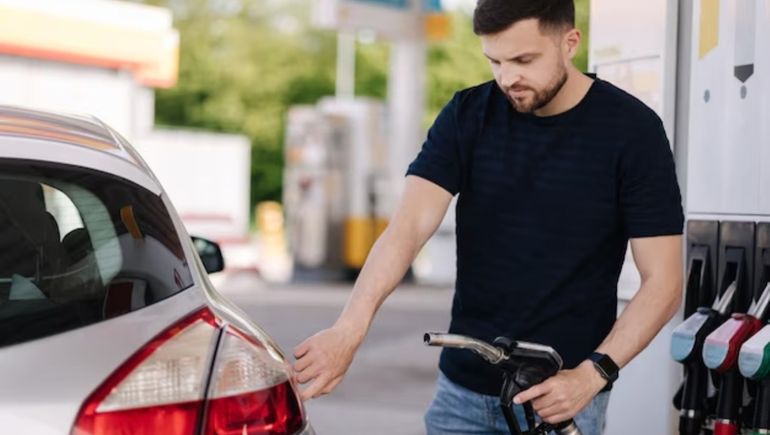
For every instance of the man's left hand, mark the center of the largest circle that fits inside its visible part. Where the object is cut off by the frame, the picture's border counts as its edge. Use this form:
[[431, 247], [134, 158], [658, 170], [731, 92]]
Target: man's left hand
[[564, 395]]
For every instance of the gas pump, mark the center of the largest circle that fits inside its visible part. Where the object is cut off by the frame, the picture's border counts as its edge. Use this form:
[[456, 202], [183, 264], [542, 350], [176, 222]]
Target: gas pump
[[754, 358], [754, 364], [336, 190], [686, 347], [720, 350], [720, 353], [687, 339]]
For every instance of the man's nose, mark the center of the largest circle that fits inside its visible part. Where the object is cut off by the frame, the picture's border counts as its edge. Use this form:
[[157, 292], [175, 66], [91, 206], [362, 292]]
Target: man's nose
[[509, 75]]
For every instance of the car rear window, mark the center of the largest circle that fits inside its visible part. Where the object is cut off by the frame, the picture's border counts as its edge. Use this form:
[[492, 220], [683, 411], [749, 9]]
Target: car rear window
[[79, 246]]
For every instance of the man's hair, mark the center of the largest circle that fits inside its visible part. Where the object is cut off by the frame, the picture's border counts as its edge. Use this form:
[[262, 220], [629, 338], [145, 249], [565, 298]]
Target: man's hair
[[494, 16]]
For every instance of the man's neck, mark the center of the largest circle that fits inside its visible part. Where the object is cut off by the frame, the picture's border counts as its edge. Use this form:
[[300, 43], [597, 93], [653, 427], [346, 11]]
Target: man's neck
[[574, 90]]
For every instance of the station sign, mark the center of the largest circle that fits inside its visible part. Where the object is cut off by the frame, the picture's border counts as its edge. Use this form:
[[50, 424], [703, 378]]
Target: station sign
[[394, 20]]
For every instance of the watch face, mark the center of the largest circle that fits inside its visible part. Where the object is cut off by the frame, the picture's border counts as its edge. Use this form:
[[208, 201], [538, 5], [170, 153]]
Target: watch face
[[606, 366]]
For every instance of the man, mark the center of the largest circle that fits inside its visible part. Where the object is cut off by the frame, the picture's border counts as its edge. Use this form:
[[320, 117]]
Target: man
[[555, 172]]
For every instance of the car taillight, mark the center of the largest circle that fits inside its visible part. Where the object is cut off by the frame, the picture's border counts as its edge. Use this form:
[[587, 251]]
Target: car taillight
[[168, 385], [161, 386], [250, 391]]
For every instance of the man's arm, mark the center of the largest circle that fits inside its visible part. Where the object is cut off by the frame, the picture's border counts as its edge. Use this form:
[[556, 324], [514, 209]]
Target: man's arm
[[659, 261], [325, 357]]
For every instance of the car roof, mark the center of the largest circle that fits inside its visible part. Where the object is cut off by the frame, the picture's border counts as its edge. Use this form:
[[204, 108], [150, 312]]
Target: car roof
[[68, 129], [81, 132]]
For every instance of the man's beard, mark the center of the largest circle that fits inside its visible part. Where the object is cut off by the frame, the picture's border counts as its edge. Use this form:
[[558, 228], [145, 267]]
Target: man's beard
[[541, 97]]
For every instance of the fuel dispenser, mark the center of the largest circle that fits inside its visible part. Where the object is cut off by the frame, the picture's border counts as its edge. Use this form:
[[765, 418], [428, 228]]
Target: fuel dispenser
[[754, 358], [702, 318], [720, 350], [337, 194]]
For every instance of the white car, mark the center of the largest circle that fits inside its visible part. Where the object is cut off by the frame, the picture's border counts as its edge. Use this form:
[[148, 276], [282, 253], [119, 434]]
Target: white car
[[108, 322]]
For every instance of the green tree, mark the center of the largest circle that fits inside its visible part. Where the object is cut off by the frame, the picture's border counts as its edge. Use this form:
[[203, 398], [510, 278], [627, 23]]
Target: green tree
[[582, 14], [242, 64]]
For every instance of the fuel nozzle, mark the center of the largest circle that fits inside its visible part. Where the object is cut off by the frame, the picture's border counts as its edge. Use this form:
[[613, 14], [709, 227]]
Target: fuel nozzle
[[720, 352], [523, 364], [687, 339], [687, 343], [754, 364], [754, 358]]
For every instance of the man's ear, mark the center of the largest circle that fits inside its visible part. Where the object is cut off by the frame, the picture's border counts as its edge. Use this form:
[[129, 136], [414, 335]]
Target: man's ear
[[571, 42]]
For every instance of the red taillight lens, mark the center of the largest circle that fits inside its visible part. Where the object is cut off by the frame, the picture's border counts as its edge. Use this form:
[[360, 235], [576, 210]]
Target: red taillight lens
[[271, 411], [174, 419], [250, 391]]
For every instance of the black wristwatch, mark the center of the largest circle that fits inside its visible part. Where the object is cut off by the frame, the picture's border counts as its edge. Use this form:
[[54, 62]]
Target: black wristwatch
[[606, 367]]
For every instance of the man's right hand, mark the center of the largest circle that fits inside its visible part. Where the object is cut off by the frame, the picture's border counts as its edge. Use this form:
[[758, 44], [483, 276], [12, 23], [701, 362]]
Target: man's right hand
[[324, 359]]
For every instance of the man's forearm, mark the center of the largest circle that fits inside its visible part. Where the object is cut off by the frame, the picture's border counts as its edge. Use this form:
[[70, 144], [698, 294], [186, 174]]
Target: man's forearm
[[653, 306], [385, 266], [423, 206]]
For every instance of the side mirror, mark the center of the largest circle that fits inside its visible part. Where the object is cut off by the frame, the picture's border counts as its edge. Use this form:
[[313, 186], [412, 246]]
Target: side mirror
[[210, 253]]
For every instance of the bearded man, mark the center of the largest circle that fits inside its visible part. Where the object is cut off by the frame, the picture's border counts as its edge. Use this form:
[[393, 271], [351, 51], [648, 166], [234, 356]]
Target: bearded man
[[555, 172]]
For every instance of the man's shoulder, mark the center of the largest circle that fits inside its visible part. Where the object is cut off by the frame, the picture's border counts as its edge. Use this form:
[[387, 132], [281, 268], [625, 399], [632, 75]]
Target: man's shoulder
[[479, 91], [617, 102], [473, 99]]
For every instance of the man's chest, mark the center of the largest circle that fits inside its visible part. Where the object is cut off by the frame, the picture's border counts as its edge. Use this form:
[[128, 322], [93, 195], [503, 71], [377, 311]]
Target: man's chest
[[542, 174]]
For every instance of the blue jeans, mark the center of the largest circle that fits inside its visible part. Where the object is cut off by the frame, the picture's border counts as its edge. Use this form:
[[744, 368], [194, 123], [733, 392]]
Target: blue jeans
[[457, 410]]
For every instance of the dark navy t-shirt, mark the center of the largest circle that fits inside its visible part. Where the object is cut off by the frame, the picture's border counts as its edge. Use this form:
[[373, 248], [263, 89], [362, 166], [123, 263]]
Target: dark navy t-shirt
[[545, 209]]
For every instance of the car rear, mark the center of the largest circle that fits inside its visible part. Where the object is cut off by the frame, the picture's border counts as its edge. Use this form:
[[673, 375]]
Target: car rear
[[107, 321]]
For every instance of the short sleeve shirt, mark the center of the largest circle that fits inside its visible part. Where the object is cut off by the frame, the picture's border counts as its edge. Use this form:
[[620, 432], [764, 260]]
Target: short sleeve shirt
[[546, 206]]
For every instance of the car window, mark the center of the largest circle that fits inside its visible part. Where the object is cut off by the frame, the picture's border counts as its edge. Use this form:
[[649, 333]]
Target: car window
[[79, 246]]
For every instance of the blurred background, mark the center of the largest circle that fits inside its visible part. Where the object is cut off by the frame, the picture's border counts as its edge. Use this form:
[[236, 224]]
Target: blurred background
[[281, 129]]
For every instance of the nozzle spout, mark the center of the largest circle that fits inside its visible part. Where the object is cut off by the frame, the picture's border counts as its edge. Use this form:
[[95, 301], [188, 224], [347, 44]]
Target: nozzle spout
[[491, 353], [722, 304]]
